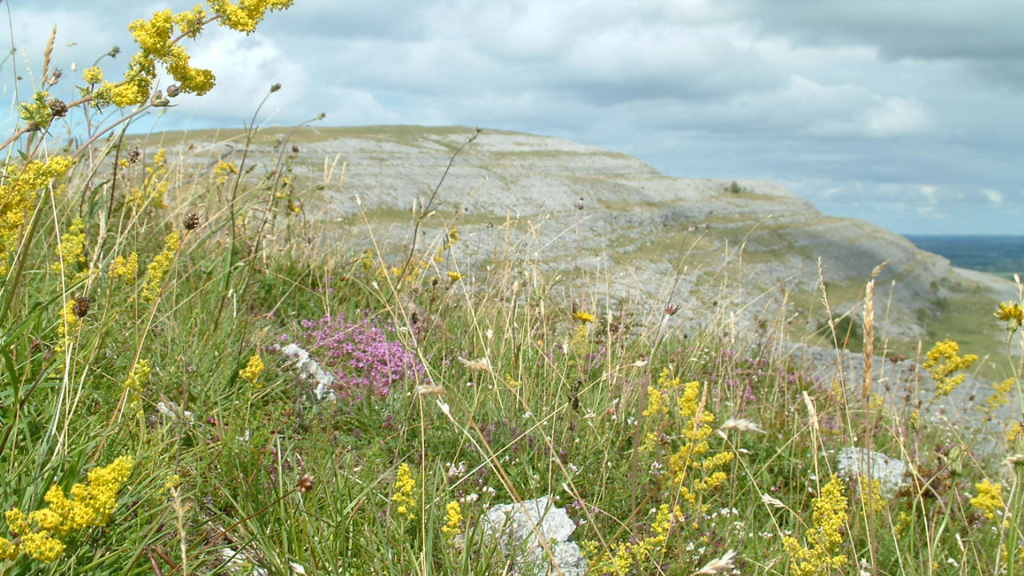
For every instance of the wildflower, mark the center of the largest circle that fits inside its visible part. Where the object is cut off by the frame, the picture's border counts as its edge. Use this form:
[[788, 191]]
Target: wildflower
[[943, 362], [1012, 314], [70, 250], [624, 556], [158, 268], [92, 75], [584, 317], [825, 538], [455, 276], [173, 481], [405, 484], [191, 221], [125, 268], [91, 504], [68, 324], [453, 524], [137, 378], [989, 498], [252, 370], [154, 186], [655, 402], [359, 354], [17, 198], [1000, 395], [247, 13]]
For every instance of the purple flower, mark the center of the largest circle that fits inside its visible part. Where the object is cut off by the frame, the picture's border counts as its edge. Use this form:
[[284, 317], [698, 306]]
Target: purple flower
[[359, 354]]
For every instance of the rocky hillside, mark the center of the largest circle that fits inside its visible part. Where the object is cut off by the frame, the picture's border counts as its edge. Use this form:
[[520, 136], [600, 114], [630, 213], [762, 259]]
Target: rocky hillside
[[747, 252]]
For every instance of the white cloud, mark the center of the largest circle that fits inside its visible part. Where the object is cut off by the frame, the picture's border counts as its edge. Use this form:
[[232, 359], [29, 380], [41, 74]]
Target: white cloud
[[994, 196]]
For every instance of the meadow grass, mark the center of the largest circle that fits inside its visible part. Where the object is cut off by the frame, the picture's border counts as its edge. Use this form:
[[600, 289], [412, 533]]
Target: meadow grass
[[152, 425]]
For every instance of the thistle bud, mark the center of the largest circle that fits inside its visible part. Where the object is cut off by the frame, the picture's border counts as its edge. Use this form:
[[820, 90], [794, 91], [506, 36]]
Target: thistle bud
[[275, 87], [173, 90], [114, 51]]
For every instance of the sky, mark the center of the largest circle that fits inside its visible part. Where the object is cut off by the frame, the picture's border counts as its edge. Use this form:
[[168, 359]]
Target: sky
[[905, 113]]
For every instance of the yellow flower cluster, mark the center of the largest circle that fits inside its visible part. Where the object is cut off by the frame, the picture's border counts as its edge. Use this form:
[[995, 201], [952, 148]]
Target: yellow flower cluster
[[1000, 395], [253, 369], [405, 485], [39, 535], [246, 14], [138, 378], [641, 553], [71, 252], [17, 197], [125, 268], [989, 498], [158, 268], [154, 185], [943, 362], [455, 276], [694, 455], [67, 324], [453, 523], [222, 170], [92, 75], [825, 538]]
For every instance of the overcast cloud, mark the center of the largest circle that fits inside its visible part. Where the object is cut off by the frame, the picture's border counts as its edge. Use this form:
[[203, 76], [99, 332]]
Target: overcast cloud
[[906, 113]]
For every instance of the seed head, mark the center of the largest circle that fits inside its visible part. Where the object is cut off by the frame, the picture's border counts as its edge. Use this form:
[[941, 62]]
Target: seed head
[[305, 483], [81, 307], [58, 108], [191, 221], [275, 87], [133, 155]]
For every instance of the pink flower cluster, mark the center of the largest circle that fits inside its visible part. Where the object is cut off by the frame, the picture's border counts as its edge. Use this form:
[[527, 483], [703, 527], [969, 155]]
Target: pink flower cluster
[[359, 354]]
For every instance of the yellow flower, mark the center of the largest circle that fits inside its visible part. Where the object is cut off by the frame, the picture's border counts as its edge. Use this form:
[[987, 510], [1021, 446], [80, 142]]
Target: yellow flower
[[989, 498], [252, 370], [158, 268], [453, 525], [71, 250], [1011, 313], [8, 551], [92, 75], [125, 268], [454, 276], [584, 317], [246, 14], [138, 378], [1000, 395], [18, 187], [943, 362], [655, 402], [173, 481], [405, 485], [41, 546], [825, 538]]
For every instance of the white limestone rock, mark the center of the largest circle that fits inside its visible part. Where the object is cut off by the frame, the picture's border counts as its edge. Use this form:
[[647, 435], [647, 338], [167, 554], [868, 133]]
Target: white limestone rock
[[521, 529]]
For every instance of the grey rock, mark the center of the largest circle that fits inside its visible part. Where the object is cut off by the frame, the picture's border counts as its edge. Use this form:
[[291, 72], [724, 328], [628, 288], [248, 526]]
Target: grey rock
[[522, 529], [890, 472], [311, 369]]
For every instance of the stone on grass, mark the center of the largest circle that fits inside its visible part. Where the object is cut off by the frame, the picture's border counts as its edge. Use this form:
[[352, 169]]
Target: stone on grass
[[311, 369], [520, 530], [857, 462]]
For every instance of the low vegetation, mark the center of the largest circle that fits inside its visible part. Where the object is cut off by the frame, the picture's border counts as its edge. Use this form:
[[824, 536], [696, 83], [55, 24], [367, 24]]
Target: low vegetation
[[152, 423]]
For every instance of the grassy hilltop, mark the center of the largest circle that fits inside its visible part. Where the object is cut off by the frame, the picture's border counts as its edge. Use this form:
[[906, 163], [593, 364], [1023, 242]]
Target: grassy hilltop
[[557, 320]]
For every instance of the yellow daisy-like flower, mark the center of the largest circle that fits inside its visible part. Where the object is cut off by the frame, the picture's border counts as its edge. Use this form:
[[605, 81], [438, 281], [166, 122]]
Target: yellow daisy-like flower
[[584, 317], [1011, 313]]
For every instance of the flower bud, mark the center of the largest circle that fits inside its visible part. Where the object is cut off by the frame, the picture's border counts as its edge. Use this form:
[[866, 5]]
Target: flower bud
[[173, 90], [275, 87]]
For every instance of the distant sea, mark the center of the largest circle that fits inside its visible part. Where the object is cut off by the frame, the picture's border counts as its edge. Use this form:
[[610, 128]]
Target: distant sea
[[999, 255]]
